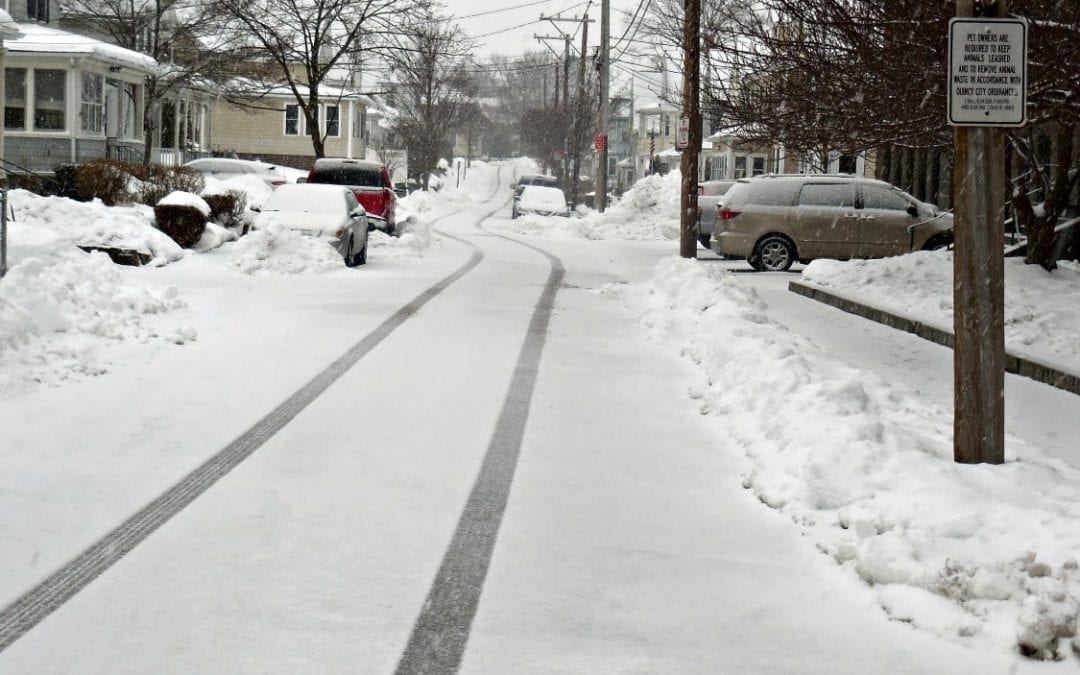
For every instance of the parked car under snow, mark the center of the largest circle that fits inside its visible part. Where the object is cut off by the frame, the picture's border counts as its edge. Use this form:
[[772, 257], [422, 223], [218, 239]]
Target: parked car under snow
[[328, 212], [541, 200]]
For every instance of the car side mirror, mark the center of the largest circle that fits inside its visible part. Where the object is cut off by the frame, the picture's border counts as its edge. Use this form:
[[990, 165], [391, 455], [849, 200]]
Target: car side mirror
[[357, 212], [913, 210], [254, 208], [301, 179]]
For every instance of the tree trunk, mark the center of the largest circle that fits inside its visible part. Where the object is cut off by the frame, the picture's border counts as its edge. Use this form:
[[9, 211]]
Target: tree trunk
[[150, 117], [1040, 232]]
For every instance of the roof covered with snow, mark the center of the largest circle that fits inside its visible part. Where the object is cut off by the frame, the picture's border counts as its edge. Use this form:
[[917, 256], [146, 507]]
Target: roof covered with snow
[[36, 39]]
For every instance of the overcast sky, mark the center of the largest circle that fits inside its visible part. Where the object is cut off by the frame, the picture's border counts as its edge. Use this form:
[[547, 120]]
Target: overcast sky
[[508, 27]]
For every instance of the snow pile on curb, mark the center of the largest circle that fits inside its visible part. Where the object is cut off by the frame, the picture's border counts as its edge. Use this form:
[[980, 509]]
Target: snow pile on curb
[[279, 250], [424, 203], [979, 554], [254, 189], [91, 224], [60, 311], [1042, 311], [649, 211]]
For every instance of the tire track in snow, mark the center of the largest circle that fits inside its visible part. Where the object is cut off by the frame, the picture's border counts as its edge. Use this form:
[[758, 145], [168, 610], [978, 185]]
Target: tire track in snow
[[439, 636], [35, 605]]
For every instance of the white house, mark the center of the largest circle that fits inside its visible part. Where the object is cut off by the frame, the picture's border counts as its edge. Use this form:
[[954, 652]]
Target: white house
[[70, 98]]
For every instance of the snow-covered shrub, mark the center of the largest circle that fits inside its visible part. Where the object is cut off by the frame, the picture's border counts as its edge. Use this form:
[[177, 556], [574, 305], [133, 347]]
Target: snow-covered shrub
[[227, 209], [182, 216]]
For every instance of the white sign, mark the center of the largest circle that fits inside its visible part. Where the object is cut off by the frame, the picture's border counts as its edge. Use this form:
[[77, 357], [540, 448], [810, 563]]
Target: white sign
[[682, 136], [987, 72]]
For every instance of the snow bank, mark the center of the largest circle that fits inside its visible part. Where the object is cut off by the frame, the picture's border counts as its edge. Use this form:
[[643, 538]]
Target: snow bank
[[75, 223], [254, 189], [476, 178], [648, 211], [978, 554], [61, 312], [279, 250], [1042, 310]]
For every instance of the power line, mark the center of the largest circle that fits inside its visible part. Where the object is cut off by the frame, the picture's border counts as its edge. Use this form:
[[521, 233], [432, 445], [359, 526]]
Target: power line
[[641, 4], [504, 9], [528, 23]]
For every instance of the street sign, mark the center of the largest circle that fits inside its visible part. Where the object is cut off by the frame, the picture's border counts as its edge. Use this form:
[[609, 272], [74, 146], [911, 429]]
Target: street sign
[[682, 138], [987, 72], [599, 141]]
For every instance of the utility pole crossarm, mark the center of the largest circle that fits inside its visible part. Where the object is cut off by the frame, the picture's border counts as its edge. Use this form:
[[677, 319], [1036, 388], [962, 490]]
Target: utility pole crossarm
[[585, 19]]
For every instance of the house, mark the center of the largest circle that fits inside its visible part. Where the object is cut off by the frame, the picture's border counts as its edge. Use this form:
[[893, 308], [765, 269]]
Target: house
[[657, 128], [8, 31], [273, 128], [67, 97], [725, 156], [177, 114]]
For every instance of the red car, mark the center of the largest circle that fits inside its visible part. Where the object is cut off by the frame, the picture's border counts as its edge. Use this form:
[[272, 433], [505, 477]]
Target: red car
[[369, 181]]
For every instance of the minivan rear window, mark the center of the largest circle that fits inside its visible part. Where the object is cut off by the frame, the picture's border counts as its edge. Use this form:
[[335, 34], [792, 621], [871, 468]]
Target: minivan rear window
[[762, 192], [828, 194], [347, 175]]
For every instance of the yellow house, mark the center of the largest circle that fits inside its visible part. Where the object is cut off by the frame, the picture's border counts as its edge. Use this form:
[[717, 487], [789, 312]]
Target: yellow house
[[273, 129]]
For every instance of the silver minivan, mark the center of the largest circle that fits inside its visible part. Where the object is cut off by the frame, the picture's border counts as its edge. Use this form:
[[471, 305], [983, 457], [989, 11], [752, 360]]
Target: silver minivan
[[775, 220]]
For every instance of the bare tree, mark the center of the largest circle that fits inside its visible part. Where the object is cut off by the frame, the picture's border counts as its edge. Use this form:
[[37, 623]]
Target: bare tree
[[302, 45], [851, 75], [178, 34], [434, 90]]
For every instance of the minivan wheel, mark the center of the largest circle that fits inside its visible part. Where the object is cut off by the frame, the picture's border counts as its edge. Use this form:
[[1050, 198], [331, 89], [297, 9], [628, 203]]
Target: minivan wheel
[[773, 253], [937, 242]]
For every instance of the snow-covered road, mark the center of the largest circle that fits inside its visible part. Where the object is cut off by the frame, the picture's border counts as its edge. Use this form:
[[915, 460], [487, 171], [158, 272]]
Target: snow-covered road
[[627, 543]]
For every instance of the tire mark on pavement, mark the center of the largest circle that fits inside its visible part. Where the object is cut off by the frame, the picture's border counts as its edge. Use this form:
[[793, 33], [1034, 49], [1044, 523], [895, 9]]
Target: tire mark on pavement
[[35, 605], [437, 643]]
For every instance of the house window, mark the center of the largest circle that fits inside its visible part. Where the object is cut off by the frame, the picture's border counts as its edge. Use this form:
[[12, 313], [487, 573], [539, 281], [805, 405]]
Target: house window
[[292, 120], [667, 125], [740, 167], [333, 120], [92, 107], [359, 122], [759, 165], [37, 10], [49, 99], [15, 99]]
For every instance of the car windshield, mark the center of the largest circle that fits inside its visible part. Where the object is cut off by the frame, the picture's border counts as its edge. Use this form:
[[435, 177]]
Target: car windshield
[[302, 198], [348, 175]]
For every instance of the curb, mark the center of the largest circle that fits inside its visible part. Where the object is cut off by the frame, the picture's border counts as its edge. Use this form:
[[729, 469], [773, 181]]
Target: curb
[[1018, 365]]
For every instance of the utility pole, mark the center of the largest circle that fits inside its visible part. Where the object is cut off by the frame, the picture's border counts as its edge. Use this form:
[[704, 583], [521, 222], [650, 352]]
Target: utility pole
[[566, 71], [691, 104], [605, 106], [978, 282], [557, 84], [581, 106]]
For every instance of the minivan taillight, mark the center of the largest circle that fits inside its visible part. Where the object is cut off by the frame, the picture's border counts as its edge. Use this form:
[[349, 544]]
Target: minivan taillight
[[727, 214]]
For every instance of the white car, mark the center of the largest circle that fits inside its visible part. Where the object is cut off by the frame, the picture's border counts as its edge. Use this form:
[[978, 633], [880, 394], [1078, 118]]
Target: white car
[[224, 167], [328, 212], [541, 200]]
